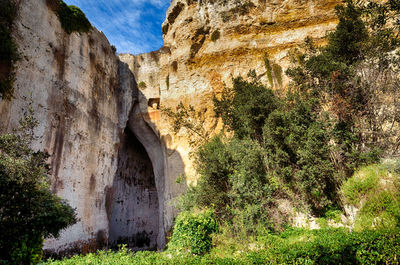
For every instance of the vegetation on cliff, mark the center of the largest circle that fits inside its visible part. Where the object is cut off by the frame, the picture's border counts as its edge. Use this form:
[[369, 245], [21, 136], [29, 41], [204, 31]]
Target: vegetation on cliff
[[29, 211], [8, 48], [72, 18]]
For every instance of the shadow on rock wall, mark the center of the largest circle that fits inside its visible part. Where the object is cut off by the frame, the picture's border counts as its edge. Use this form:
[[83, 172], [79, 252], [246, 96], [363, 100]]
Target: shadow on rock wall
[[137, 204]]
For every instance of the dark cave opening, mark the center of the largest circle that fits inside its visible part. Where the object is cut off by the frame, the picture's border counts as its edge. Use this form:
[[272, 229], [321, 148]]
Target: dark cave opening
[[134, 213]]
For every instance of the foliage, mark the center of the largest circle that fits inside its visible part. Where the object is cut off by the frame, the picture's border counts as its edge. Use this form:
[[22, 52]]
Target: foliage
[[245, 107], [8, 49], [142, 85], [268, 67], [233, 181], [292, 247], [192, 232], [375, 191], [292, 133], [337, 247], [356, 77], [72, 18], [28, 210], [273, 71]]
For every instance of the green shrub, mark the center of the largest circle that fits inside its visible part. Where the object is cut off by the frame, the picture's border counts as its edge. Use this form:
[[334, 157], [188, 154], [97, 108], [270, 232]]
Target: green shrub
[[268, 67], [113, 48], [338, 247], [293, 247], [245, 107], [72, 19], [193, 232], [142, 85], [29, 211]]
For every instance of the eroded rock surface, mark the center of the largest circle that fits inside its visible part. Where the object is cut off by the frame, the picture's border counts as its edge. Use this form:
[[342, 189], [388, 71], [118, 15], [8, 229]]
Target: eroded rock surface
[[82, 96]]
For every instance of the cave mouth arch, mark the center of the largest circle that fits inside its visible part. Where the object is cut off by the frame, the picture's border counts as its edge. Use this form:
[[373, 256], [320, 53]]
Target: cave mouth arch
[[134, 218]]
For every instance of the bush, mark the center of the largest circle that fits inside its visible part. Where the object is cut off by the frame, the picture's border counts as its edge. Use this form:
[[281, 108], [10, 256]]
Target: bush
[[293, 247], [193, 232], [336, 247], [72, 19], [114, 49], [245, 107], [29, 211]]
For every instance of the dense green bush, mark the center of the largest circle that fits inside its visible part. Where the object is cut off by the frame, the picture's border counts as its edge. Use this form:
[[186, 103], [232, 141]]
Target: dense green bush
[[296, 142], [29, 211], [193, 233], [234, 181], [72, 18], [334, 247], [245, 107], [8, 48]]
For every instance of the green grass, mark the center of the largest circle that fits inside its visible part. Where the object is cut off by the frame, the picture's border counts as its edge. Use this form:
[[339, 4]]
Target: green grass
[[295, 246], [375, 191]]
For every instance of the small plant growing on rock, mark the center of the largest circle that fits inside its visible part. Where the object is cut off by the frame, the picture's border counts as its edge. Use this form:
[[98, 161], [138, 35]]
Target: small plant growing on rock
[[114, 49], [72, 18], [142, 85], [167, 82]]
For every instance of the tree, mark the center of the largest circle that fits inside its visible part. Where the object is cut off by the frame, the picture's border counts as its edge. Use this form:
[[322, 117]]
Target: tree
[[29, 212], [245, 107]]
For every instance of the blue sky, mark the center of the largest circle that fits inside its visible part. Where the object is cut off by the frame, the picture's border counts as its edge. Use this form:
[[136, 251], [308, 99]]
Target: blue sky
[[133, 26]]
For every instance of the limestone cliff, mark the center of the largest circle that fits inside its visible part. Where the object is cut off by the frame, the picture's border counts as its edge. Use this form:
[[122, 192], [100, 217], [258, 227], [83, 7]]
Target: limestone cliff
[[83, 97], [113, 155], [206, 42]]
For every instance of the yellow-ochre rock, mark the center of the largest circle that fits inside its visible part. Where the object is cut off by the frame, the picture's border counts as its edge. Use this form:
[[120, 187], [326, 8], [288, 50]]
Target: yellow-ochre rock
[[208, 42]]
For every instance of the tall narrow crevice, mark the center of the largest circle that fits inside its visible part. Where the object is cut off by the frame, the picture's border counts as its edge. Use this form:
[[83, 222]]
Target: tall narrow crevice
[[134, 216]]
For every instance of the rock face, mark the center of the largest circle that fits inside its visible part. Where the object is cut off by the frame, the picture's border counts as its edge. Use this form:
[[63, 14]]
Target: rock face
[[83, 97], [207, 42], [113, 155], [73, 81]]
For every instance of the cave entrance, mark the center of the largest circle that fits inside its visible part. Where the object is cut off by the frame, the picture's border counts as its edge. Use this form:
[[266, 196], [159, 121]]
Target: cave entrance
[[134, 215]]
